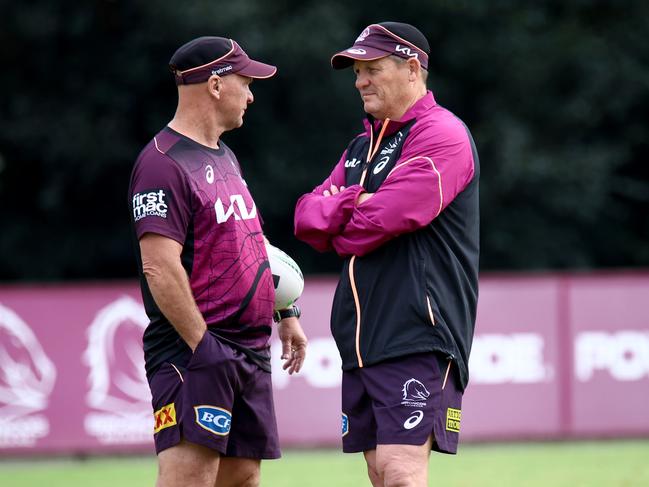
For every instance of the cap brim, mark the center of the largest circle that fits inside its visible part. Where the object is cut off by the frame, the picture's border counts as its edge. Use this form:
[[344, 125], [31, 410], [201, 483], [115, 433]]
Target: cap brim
[[346, 58], [258, 70]]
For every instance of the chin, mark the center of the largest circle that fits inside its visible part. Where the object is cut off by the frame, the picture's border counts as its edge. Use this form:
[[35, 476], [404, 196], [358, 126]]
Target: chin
[[373, 110], [368, 108], [375, 113]]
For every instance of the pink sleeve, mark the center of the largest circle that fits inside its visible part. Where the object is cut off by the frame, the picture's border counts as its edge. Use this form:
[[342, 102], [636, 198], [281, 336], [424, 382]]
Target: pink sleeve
[[430, 173], [318, 217]]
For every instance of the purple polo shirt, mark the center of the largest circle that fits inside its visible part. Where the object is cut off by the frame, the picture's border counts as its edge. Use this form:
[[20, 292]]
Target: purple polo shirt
[[197, 196]]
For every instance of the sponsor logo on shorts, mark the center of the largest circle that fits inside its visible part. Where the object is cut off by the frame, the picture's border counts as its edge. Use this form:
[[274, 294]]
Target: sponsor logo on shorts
[[151, 203], [213, 419], [414, 394], [345, 424], [413, 420], [453, 418], [164, 417]]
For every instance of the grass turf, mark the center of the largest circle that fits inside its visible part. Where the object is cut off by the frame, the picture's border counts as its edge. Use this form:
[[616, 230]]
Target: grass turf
[[569, 464]]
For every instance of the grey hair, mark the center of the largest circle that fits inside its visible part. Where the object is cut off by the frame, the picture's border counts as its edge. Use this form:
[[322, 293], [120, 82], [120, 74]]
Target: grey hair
[[400, 60]]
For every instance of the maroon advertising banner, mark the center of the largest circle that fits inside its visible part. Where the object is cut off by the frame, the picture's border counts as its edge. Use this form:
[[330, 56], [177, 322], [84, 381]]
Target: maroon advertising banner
[[554, 356], [609, 327]]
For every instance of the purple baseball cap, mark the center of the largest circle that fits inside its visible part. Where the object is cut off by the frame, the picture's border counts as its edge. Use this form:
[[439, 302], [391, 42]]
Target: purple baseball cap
[[203, 57], [385, 39]]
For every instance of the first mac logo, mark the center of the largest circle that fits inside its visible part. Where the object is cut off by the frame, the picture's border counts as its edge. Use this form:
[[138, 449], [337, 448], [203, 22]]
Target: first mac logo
[[150, 203], [213, 419]]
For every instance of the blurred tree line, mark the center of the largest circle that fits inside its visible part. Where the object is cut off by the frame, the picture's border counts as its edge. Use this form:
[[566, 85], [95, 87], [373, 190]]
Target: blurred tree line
[[556, 94]]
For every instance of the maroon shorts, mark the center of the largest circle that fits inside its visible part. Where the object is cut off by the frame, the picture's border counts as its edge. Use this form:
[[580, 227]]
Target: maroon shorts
[[219, 400], [401, 402]]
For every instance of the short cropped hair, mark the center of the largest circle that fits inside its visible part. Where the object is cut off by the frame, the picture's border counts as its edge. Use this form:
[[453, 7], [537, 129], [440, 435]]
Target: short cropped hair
[[400, 60]]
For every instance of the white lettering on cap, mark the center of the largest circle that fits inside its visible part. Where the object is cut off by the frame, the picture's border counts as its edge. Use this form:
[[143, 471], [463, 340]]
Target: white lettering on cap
[[222, 70], [356, 51], [406, 50]]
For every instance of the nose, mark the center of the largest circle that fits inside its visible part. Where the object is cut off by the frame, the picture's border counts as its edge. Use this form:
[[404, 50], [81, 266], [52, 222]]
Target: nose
[[362, 81], [250, 97]]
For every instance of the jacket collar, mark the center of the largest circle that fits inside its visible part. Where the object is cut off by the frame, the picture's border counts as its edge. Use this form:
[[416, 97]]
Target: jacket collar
[[420, 107]]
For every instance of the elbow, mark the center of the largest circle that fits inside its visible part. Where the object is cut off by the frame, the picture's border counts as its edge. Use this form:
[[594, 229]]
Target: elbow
[[320, 242], [151, 269]]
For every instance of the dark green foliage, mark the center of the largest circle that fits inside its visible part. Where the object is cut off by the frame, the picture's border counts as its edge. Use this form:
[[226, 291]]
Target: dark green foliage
[[556, 94]]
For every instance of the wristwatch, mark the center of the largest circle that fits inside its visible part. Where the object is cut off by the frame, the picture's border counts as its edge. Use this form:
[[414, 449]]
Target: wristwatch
[[280, 314]]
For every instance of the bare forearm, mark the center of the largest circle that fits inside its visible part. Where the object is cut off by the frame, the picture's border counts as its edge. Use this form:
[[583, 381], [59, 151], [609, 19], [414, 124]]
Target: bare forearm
[[170, 289]]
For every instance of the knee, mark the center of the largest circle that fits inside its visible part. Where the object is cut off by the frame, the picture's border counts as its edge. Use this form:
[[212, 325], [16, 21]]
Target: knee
[[249, 478], [396, 474], [373, 474], [252, 480]]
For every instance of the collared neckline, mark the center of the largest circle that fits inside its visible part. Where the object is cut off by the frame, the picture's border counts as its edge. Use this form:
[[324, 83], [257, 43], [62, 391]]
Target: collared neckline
[[420, 107]]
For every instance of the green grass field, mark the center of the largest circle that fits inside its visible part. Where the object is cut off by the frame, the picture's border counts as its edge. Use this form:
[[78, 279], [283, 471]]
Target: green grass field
[[574, 464]]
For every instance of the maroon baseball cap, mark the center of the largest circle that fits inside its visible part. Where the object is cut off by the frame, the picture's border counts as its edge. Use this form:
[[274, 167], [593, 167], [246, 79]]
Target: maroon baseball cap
[[203, 57], [385, 39]]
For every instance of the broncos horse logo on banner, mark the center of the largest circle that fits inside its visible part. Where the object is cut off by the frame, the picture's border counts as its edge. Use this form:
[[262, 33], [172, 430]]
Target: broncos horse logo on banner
[[27, 378], [119, 394]]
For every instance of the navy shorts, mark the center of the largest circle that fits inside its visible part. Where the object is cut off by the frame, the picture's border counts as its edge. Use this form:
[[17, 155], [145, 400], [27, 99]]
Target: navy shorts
[[219, 400], [401, 402]]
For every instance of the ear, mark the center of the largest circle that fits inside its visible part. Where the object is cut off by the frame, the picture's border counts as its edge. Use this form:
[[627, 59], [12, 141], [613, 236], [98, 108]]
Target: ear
[[414, 68], [215, 85]]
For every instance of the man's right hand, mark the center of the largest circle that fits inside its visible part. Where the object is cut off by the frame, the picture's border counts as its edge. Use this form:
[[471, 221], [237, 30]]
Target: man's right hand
[[363, 197], [194, 340]]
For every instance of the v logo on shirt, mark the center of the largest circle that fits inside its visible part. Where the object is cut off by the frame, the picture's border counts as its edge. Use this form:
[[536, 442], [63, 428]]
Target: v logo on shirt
[[236, 200]]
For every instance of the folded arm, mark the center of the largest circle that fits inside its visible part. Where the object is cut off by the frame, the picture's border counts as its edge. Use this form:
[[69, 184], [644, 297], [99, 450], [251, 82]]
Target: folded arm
[[319, 214]]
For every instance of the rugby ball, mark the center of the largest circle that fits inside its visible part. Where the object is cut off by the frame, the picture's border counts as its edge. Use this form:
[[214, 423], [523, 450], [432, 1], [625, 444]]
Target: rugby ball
[[287, 277]]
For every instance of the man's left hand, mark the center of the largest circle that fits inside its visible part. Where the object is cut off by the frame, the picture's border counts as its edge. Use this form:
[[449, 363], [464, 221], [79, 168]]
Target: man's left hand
[[333, 190], [293, 344]]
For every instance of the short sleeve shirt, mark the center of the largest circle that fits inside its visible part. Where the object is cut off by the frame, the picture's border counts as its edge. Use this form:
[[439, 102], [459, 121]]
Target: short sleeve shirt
[[197, 196]]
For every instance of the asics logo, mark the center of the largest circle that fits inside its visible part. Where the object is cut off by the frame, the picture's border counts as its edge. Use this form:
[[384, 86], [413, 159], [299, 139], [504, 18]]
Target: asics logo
[[413, 420], [209, 174]]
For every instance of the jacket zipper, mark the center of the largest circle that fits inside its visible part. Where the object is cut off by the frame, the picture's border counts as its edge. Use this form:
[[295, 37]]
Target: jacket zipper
[[373, 149], [358, 311]]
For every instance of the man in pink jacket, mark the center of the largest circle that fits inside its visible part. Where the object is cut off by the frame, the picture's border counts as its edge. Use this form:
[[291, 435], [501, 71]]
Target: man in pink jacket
[[401, 208]]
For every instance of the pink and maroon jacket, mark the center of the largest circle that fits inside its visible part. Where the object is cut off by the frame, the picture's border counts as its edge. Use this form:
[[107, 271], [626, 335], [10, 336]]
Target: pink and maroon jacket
[[410, 278]]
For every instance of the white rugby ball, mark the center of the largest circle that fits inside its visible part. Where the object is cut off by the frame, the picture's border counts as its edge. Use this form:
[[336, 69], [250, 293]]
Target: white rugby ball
[[287, 277]]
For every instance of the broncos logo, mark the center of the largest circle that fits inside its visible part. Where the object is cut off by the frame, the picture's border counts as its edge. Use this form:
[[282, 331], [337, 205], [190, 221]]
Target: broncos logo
[[413, 390], [117, 381], [27, 375]]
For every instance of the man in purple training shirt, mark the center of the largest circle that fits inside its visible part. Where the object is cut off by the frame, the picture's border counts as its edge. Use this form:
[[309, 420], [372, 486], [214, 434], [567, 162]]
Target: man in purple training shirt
[[401, 207], [206, 280]]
